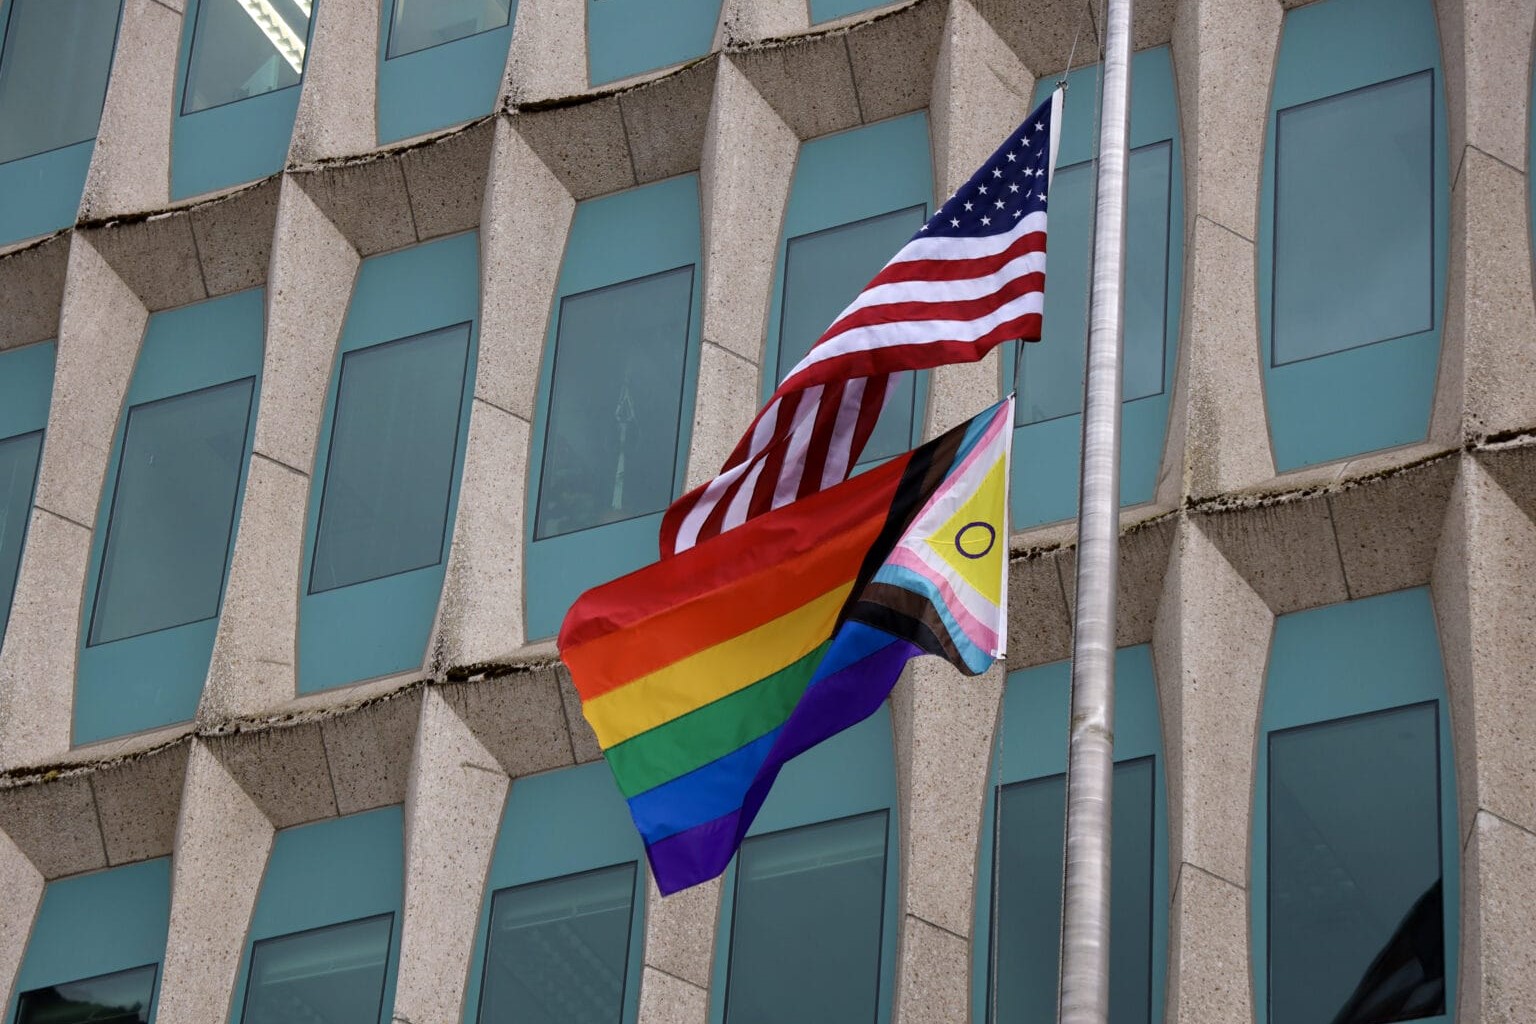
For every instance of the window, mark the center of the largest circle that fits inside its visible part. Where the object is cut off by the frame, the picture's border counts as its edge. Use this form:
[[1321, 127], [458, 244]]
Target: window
[[630, 37], [564, 917], [440, 62], [26, 388], [857, 198], [615, 406], [1352, 230], [1355, 849], [325, 936], [165, 529], [94, 953], [55, 56], [1049, 377], [821, 859], [391, 452], [1019, 891], [826, 10]]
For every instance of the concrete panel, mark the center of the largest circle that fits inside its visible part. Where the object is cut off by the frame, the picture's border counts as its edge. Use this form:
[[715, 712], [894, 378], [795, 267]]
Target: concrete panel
[[664, 121], [933, 980], [1211, 646], [233, 236], [522, 240], [284, 770], [748, 164], [944, 722], [750, 21], [1450, 592], [548, 56], [981, 91], [728, 398], [31, 291], [519, 718], [445, 180], [1498, 958], [1039, 629], [37, 665], [1490, 317], [668, 1000], [584, 743], [582, 143], [54, 824], [1286, 551], [1044, 34], [893, 60], [155, 257], [23, 887], [1144, 552], [452, 816], [336, 115], [313, 270], [138, 801], [1387, 527], [222, 844], [680, 931], [482, 604], [368, 750], [1485, 48], [1208, 966], [101, 325], [254, 651], [1226, 439], [131, 164], [366, 200], [807, 82]]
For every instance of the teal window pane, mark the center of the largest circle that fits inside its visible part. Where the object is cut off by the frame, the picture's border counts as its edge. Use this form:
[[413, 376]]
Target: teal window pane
[[53, 73], [384, 508], [610, 448], [123, 997], [1027, 940], [1356, 927], [824, 272], [1050, 376], [826, 10], [825, 881], [418, 24], [243, 48], [18, 477], [334, 975], [559, 950], [1354, 219], [173, 512], [628, 37]]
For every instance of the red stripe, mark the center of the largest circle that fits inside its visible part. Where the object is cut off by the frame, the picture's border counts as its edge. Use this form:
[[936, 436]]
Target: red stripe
[[960, 269], [869, 415], [953, 309], [821, 437], [921, 355]]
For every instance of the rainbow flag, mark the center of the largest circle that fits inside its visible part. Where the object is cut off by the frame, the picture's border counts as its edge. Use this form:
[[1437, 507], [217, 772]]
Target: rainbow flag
[[703, 674]]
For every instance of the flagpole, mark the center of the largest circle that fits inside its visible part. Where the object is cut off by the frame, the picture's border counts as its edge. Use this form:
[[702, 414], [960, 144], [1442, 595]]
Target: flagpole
[[1084, 993]]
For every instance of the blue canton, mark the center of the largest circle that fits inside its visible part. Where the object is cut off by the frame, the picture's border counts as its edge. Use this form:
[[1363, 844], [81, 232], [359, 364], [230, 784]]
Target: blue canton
[[1008, 187]]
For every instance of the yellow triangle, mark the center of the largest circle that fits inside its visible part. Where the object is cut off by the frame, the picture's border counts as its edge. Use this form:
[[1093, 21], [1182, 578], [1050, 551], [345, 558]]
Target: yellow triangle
[[971, 541]]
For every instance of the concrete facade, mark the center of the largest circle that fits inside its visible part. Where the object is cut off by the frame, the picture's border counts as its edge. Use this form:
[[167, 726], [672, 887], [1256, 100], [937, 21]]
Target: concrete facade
[[1226, 547]]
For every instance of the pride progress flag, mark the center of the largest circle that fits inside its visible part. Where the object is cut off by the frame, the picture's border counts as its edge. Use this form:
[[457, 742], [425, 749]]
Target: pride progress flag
[[703, 674]]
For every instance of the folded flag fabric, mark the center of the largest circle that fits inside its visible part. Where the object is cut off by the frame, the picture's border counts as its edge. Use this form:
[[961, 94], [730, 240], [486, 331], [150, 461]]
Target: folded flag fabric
[[971, 278], [703, 674]]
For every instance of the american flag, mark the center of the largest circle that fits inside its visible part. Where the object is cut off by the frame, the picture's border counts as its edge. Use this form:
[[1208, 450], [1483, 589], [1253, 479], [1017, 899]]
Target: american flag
[[971, 278]]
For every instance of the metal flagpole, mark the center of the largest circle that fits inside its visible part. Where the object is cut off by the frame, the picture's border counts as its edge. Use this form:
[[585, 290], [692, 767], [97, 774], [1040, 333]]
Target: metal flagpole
[[1090, 762]]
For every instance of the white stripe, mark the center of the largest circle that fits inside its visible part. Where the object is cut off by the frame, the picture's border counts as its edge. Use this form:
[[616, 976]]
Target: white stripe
[[737, 513], [947, 291], [940, 247], [788, 485], [839, 447]]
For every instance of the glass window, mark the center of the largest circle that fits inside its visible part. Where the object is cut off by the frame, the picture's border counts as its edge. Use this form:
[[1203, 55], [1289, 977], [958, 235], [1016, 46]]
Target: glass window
[[627, 37], [823, 272], [384, 509], [123, 997], [53, 73], [1032, 821], [418, 24], [559, 949], [243, 48], [610, 450], [18, 477], [1050, 376], [825, 880], [1354, 219], [334, 974], [1356, 934], [173, 512]]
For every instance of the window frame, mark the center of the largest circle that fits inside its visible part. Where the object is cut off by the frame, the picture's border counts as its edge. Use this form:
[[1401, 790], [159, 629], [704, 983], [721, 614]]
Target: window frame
[[1378, 394], [233, 142], [813, 789], [1044, 471], [382, 627], [1403, 668], [26, 394], [440, 85], [137, 683], [1031, 745]]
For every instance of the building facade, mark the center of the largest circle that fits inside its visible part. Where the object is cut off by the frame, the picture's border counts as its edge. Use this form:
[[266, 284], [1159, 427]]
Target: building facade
[[343, 343]]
